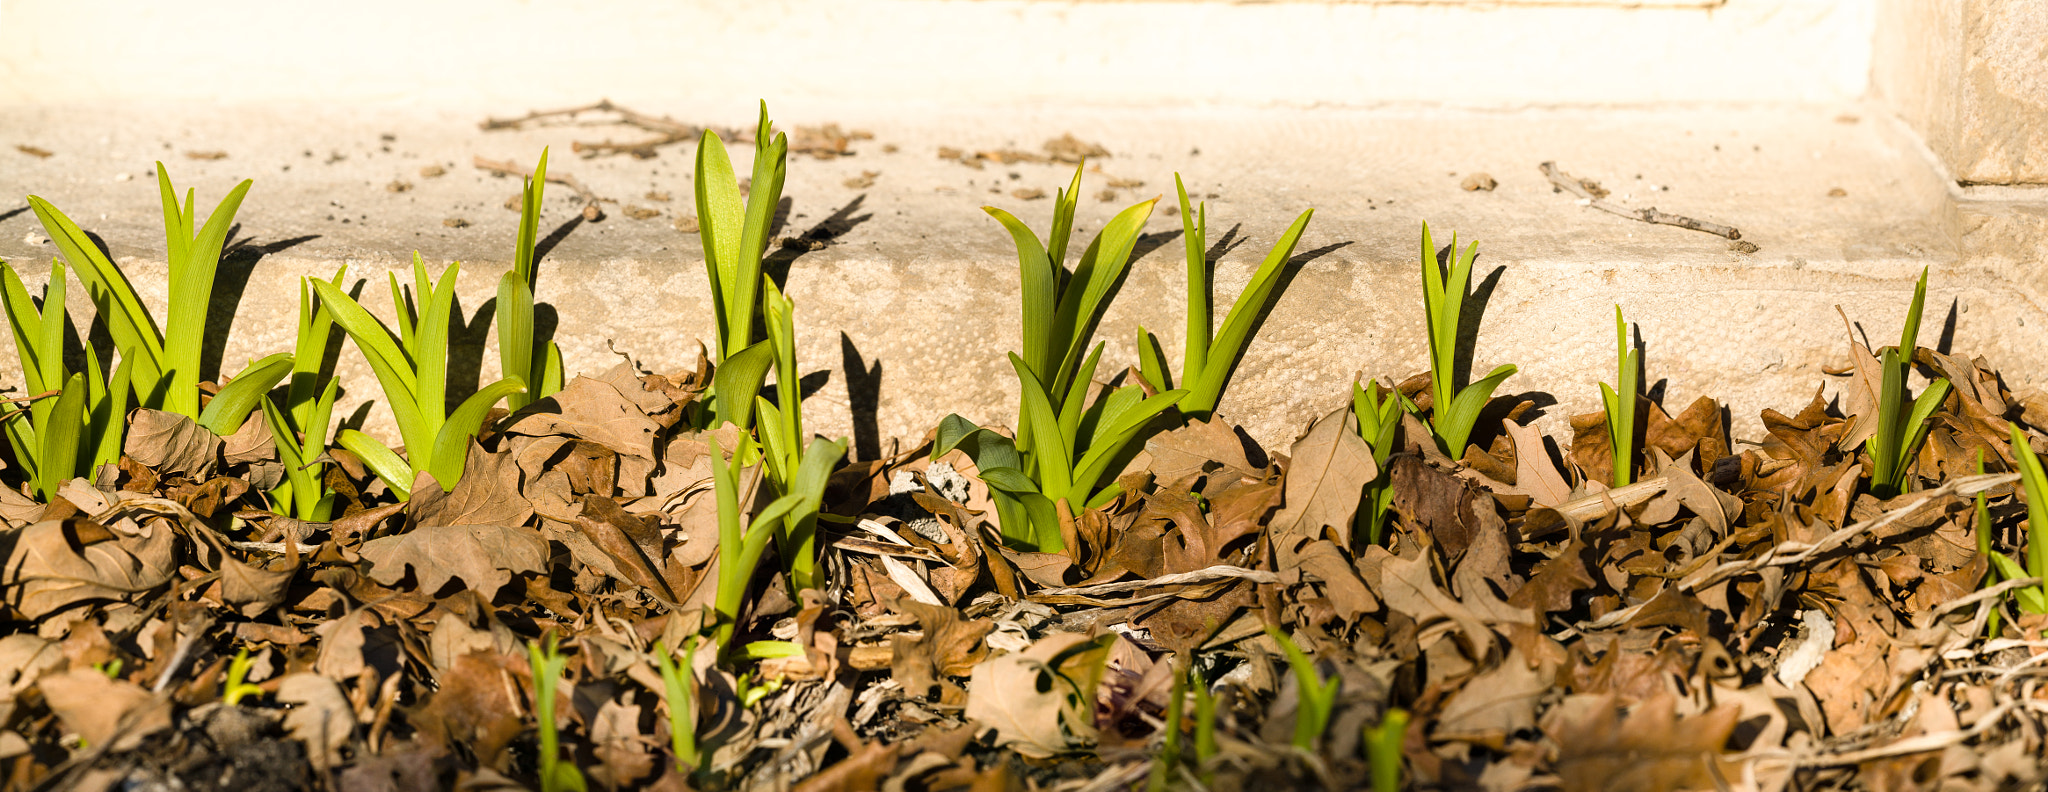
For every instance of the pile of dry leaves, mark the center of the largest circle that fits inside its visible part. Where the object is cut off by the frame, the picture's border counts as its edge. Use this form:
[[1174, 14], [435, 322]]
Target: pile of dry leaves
[[1742, 618]]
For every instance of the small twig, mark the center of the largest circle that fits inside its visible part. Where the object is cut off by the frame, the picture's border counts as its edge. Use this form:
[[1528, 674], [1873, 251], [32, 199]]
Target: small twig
[[1911, 745], [590, 200], [1564, 181], [667, 130], [1204, 575]]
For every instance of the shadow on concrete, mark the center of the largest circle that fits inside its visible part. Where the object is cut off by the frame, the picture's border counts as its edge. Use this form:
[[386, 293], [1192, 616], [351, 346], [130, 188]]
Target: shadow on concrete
[[546, 244], [776, 264], [9, 214], [863, 399], [1469, 317], [230, 280], [1948, 328], [466, 347]]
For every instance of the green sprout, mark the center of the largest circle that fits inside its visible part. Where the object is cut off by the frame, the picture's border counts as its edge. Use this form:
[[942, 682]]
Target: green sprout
[[741, 543], [1209, 361], [1383, 750], [535, 362], [679, 691], [1621, 403], [1317, 699], [299, 427], [165, 362], [1205, 731], [412, 367], [1444, 289], [1379, 416], [1168, 759], [555, 775], [735, 234], [112, 668], [86, 419], [1902, 423], [236, 688], [2034, 598], [1066, 452]]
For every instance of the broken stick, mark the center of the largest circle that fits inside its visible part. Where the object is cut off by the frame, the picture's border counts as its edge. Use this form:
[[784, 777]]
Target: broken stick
[[1564, 181]]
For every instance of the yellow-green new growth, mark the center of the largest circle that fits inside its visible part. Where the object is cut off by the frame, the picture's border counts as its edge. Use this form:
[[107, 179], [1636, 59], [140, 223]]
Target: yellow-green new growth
[[1209, 361], [1620, 401], [1902, 422], [1456, 406]]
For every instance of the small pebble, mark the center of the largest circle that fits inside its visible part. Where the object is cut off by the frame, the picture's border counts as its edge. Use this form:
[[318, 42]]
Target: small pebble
[[398, 186], [1027, 194], [1479, 182], [641, 212], [433, 172], [686, 224], [1837, 193], [455, 222]]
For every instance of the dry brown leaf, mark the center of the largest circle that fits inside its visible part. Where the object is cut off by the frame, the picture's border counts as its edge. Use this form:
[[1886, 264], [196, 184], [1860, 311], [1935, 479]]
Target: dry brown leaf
[[254, 589], [1652, 748], [54, 564], [173, 445], [1535, 475], [1326, 481], [1034, 699], [1495, 704], [99, 709], [949, 647], [483, 557], [320, 717], [1211, 446], [487, 494]]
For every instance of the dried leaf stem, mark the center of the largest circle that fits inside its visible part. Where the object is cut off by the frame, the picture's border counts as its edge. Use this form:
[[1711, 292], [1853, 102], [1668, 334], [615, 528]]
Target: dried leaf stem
[[1564, 181]]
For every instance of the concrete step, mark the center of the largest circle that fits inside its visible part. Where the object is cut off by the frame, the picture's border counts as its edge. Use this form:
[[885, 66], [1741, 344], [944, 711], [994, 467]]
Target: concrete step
[[1842, 206]]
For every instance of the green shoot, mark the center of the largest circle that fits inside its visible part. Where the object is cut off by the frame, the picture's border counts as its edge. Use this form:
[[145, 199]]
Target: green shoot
[[679, 690], [537, 362], [1209, 361], [2032, 599], [165, 369], [735, 234], [1066, 452], [236, 688], [1383, 742], [1379, 416], [1317, 699], [112, 668], [412, 367], [1621, 403], [1205, 730], [1902, 423], [299, 428], [1445, 286], [77, 421], [1168, 758], [741, 542], [555, 774]]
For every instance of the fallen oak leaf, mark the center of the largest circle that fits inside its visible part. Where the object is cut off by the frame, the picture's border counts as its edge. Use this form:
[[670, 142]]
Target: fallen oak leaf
[[483, 557], [1331, 464]]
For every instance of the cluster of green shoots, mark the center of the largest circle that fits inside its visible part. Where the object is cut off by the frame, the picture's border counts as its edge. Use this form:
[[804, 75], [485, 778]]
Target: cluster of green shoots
[[1073, 438]]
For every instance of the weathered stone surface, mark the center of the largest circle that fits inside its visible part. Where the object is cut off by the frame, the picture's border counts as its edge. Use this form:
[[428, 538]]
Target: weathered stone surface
[[922, 283]]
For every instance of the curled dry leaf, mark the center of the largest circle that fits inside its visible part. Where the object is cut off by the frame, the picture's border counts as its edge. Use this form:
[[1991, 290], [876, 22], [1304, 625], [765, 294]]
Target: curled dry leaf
[[55, 564], [172, 445]]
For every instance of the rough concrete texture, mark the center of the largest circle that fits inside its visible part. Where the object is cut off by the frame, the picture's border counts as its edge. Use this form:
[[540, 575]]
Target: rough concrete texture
[[991, 52], [920, 285], [1971, 76]]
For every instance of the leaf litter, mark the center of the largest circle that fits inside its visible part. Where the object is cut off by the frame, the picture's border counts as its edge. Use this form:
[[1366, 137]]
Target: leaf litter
[[1736, 619]]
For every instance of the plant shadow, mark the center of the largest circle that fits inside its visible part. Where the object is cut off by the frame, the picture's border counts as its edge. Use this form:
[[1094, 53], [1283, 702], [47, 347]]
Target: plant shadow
[[230, 281]]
